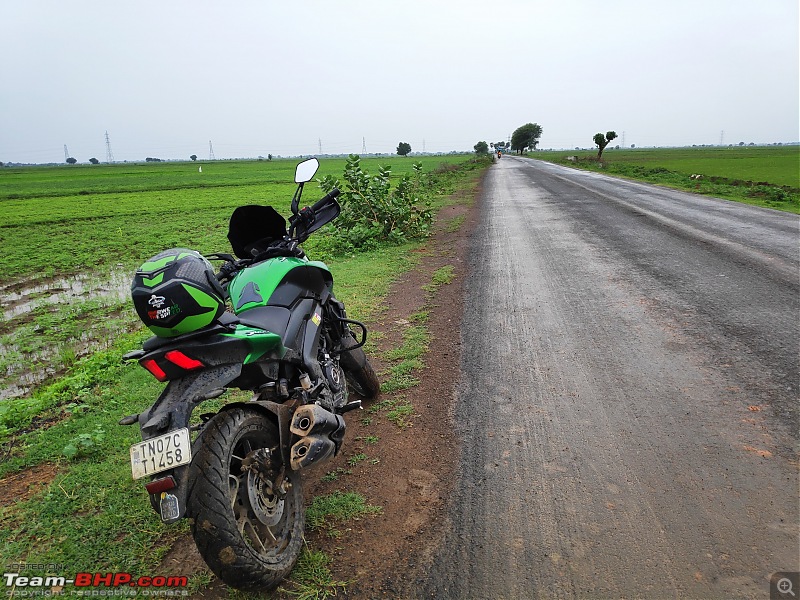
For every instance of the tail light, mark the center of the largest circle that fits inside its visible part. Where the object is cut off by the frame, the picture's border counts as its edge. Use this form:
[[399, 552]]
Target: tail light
[[176, 357], [151, 365], [166, 370]]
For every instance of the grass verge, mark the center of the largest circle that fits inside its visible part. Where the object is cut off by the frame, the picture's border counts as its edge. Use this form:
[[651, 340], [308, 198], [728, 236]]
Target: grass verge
[[766, 177]]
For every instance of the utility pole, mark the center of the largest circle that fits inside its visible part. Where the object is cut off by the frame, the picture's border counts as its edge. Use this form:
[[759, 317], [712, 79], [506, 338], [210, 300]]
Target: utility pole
[[66, 153], [363, 145], [210, 151], [320, 145], [722, 138], [109, 153], [623, 140]]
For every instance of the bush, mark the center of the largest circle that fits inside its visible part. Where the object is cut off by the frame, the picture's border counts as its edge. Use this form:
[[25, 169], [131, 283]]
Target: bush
[[373, 213]]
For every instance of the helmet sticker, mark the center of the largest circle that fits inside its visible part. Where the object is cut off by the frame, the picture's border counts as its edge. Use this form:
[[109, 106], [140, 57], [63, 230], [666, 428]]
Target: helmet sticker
[[164, 313]]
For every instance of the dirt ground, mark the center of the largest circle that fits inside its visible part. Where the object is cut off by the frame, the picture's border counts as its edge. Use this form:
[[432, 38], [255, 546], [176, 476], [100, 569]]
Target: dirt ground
[[411, 478]]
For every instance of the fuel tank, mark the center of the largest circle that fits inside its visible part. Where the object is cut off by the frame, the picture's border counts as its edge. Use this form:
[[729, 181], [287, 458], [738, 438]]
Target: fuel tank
[[279, 282]]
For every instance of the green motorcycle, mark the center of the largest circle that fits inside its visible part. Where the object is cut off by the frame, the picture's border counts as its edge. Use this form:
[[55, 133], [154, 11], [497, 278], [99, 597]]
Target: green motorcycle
[[237, 474]]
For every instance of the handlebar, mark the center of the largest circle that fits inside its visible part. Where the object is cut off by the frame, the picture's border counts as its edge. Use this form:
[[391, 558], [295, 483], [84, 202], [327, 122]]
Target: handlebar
[[332, 195]]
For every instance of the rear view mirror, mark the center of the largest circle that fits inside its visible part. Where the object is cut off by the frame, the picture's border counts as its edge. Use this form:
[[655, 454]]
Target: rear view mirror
[[306, 170]]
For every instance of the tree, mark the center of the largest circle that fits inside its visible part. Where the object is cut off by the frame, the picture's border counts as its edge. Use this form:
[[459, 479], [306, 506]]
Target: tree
[[481, 148], [71, 161], [526, 136], [603, 141], [94, 161], [193, 157], [403, 148]]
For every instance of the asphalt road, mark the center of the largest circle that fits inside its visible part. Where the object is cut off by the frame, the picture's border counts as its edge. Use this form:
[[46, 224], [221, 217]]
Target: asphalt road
[[628, 406]]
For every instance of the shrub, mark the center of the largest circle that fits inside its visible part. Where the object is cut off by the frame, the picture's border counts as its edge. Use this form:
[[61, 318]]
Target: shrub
[[373, 213]]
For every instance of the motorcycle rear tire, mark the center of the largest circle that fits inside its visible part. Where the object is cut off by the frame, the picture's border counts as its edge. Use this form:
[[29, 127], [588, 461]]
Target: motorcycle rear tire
[[228, 527], [360, 375]]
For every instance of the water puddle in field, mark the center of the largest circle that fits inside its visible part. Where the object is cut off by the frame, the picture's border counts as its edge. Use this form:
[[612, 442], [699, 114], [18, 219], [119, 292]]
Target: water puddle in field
[[48, 323], [24, 296]]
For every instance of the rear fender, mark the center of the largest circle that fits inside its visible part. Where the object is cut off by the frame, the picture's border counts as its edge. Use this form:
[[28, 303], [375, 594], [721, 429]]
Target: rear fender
[[278, 414], [173, 408], [172, 411]]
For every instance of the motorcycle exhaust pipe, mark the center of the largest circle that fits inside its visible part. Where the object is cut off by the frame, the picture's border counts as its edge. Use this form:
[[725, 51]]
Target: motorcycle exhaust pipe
[[310, 450], [312, 419]]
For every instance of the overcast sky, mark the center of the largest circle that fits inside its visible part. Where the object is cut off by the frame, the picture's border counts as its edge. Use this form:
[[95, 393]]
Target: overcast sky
[[253, 77]]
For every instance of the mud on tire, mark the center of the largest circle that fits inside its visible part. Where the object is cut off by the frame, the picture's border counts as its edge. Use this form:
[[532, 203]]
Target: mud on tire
[[247, 534], [361, 377]]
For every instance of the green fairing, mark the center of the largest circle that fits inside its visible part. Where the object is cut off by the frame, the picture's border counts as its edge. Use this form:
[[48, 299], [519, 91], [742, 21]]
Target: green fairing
[[259, 340], [266, 276]]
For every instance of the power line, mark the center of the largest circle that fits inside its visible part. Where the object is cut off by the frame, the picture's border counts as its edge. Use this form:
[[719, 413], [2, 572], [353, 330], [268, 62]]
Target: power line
[[109, 153]]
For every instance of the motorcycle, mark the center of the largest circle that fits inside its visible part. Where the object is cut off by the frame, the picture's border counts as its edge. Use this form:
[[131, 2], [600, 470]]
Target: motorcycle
[[237, 474]]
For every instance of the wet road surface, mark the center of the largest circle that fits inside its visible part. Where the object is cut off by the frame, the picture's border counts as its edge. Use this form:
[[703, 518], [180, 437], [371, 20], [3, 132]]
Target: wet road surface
[[628, 406]]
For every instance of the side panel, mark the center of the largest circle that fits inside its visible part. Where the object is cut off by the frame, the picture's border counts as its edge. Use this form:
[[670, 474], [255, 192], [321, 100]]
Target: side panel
[[279, 282]]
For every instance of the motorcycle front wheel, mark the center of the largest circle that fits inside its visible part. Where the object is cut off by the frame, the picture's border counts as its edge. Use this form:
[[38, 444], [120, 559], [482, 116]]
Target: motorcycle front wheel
[[247, 524], [360, 375]]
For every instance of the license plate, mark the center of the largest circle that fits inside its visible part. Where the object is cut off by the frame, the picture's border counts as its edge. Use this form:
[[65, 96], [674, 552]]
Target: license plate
[[161, 453]]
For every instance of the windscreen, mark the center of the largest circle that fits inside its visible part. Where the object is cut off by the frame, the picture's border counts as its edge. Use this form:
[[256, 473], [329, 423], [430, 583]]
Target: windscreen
[[254, 225]]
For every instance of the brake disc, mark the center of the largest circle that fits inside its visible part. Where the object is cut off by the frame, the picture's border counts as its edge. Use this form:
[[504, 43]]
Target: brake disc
[[265, 503]]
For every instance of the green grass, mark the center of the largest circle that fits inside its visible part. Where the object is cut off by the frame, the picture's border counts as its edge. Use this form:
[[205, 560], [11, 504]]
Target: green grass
[[326, 511], [87, 180], [778, 165], [761, 176], [407, 360], [68, 220], [442, 276], [311, 578]]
